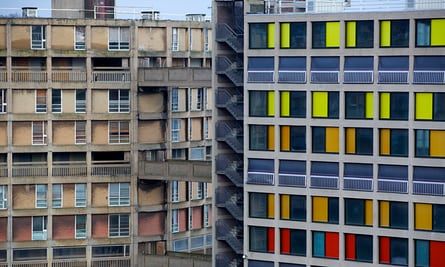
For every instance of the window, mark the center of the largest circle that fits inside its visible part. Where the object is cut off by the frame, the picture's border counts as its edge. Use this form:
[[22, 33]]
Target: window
[[175, 221], [176, 128], [261, 35], [293, 35], [79, 43], [80, 101], [429, 253], [262, 239], [3, 196], [81, 226], [38, 37], [69, 252], [262, 103], [360, 34], [358, 247], [325, 105], [358, 212], [56, 100], [326, 34], [206, 216], [358, 70], [293, 242], [293, 207], [429, 217], [394, 106], [293, 138], [29, 254], [325, 245], [262, 137], [359, 105], [40, 101], [359, 141], [394, 33], [39, 231], [3, 101], [175, 39], [119, 194], [200, 189], [394, 142], [118, 38], [39, 136], [57, 198], [197, 99], [110, 251], [293, 104], [325, 209], [429, 106], [81, 136], [325, 70], [206, 122], [80, 195], [178, 154], [119, 225], [119, 132], [393, 251], [430, 143], [325, 140], [175, 191], [393, 214], [260, 70], [175, 99], [119, 101], [429, 32], [261, 205]]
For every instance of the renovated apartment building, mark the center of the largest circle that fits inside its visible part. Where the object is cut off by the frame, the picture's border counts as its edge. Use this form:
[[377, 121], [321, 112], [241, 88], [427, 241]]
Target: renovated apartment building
[[344, 141], [104, 134]]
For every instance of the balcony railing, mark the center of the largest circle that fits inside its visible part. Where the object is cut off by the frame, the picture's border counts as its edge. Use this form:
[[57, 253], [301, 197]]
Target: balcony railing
[[260, 76], [358, 76], [111, 262], [318, 76], [292, 180], [261, 178], [29, 76], [3, 76], [70, 263], [29, 169], [392, 186], [390, 76], [429, 77], [357, 184], [291, 76], [3, 170], [69, 76], [327, 182], [111, 169], [69, 168], [35, 263], [111, 76], [428, 188]]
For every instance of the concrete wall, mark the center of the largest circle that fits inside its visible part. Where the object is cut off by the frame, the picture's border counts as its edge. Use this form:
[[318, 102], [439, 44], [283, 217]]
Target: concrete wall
[[100, 132], [23, 101], [152, 39], [100, 101], [23, 197], [3, 134], [63, 133], [68, 196], [151, 194], [2, 37], [21, 133], [62, 37], [151, 102], [197, 40], [175, 259], [64, 227], [99, 38], [196, 129], [151, 132], [99, 195], [151, 223], [20, 37]]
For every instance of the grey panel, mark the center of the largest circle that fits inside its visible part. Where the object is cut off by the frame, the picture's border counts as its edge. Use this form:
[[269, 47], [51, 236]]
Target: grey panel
[[293, 167], [358, 170], [394, 63], [324, 168], [261, 165], [325, 63], [292, 63], [396, 172], [359, 63], [261, 63], [430, 174]]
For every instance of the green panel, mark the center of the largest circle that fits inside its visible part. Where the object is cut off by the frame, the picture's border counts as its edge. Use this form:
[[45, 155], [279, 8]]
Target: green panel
[[351, 33], [385, 33], [438, 32], [271, 35], [333, 34], [385, 105], [369, 106], [424, 106], [285, 35], [320, 104], [285, 104]]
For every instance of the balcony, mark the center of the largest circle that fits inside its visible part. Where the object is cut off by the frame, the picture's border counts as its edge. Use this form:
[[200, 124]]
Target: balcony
[[115, 262], [3, 76], [172, 76], [3, 169], [69, 168], [358, 184], [260, 76], [29, 169], [70, 263], [111, 76], [26, 75], [231, 100], [68, 75], [176, 170], [358, 76], [393, 77], [34, 263], [260, 178], [110, 168], [324, 182], [392, 186], [428, 188], [429, 77], [291, 76], [318, 76], [291, 180]]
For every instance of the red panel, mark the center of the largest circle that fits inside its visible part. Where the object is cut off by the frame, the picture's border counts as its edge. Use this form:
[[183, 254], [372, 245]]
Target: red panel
[[100, 226], [151, 223], [63, 227], [332, 245], [270, 240], [21, 228], [182, 220], [285, 241], [3, 228], [384, 250], [197, 218], [350, 246], [437, 252]]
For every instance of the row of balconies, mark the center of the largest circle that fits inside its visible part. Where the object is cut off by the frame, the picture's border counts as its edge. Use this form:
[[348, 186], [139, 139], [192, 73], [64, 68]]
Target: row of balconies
[[117, 262], [199, 171]]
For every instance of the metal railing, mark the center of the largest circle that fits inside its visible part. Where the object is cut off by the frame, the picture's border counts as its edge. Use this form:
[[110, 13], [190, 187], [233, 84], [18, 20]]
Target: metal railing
[[358, 184], [326, 182], [111, 262], [3, 170], [291, 180], [70, 263], [69, 168], [231, 133], [390, 76], [230, 233], [230, 100], [358, 76], [37, 263], [229, 168], [260, 178], [291, 76], [260, 76], [429, 77], [318, 76], [111, 169], [225, 33], [392, 186], [29, 169], [111, 76], [3, 76], [428, 188], [69, 76], [29, 75]]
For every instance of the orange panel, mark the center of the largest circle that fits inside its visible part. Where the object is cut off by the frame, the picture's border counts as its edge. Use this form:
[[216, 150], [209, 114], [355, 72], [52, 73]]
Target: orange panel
[[100, 226], [197, 218], [3, 228], [151, 223], [21, 228], [63, 227], [182, 220]]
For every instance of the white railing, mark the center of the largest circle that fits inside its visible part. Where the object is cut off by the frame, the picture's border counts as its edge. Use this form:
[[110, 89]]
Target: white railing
[[358, 76], [428, 188], [3, 76], [29, 170], [68, 76], [327, 182], [39, 235], [292, 180], [119, 262], [70, 263], [111, 170], [29, 76], [358, 184], [111, 76], [318, 76], [291, 76], [69, 170], [390, 76], [261, 178], [429, 77], [392, 186], [260, 76]]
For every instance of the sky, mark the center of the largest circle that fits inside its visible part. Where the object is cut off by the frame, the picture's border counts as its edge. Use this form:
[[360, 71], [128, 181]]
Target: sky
[[170, 8]]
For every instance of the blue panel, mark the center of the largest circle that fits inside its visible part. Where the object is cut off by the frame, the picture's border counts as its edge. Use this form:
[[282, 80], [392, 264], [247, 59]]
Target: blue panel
[[422, 253], [359, 63], [393, 63], [260, 63], [396, 172], [293, 167], [358, 170], [324, 168], [318, 244], [261, 165], [325, 63], [430, 174], [292, 63]]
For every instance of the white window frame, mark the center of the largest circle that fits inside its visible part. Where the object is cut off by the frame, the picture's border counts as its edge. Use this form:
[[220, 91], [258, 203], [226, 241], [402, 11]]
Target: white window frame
[[36, 139], [205, 215], [206, 128], [39, 235], [3, 100], [55, 198], [79, 44], [206, 40], [126, 232], [175, 39], [175, 191], [123, 106], [78, 103], [119, 199], [39, 108], [80, 139], [3, 197], [80, 233], [121, 45], [38, 44], [190, 218], [80, 202], [176, 130], [120, 138], [175, 99], [61, 101], [175, 221], [200, 190]]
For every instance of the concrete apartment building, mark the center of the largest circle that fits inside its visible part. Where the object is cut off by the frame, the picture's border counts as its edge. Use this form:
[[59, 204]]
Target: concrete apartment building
[[337, 157], [104, 137]]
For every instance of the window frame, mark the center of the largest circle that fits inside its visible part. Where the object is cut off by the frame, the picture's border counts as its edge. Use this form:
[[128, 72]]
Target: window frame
[[122, 231], [175, 221], [80, 104], [119, 44], [78, 201], [79, 232], [40, 107], [79, 45], [80, 136], [4, 197], [175, 130], [3, 101], [265, 45], [38, 44], [56, 108], [39, 138], [44, 230], [357, 34], [118, 199], [175, 39], [121, 105], [55, 198], [120, 136]]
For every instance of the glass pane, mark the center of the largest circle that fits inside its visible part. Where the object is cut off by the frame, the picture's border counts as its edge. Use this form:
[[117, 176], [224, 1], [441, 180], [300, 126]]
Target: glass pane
[[258, 137], [355, 211], [298, 35], [399, 142], [423, 32], [258, 239], [439, 218], [399, 215], [422, 143], [318, 34], [364, 248], [399, 106], [355, 105], [258, 35], [318, 140], [258, 103], [400, 33], [399, 251], [298, 242], [439, 107], [298, 104], [298, 138], [365, 34], [258, 205], [333, 210], [333, 105], [364, 140]]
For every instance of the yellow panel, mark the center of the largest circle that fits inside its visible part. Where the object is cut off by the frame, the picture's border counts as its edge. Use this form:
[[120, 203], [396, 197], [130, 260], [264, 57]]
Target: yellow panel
[[438, 32], [437, 143], [369, 105], [424, 216], [385, 141], [333, 34], [271, 103], [285, 207], [368, 212], [285, 104], [351, 34], [384, 213], [271, 35], [270, 206], [424, 106], [320, 209], [385, 33], [285, 35], [285, 138], [350, 140], [271, 138], [332, 138], [385, 105], [320, 104]]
